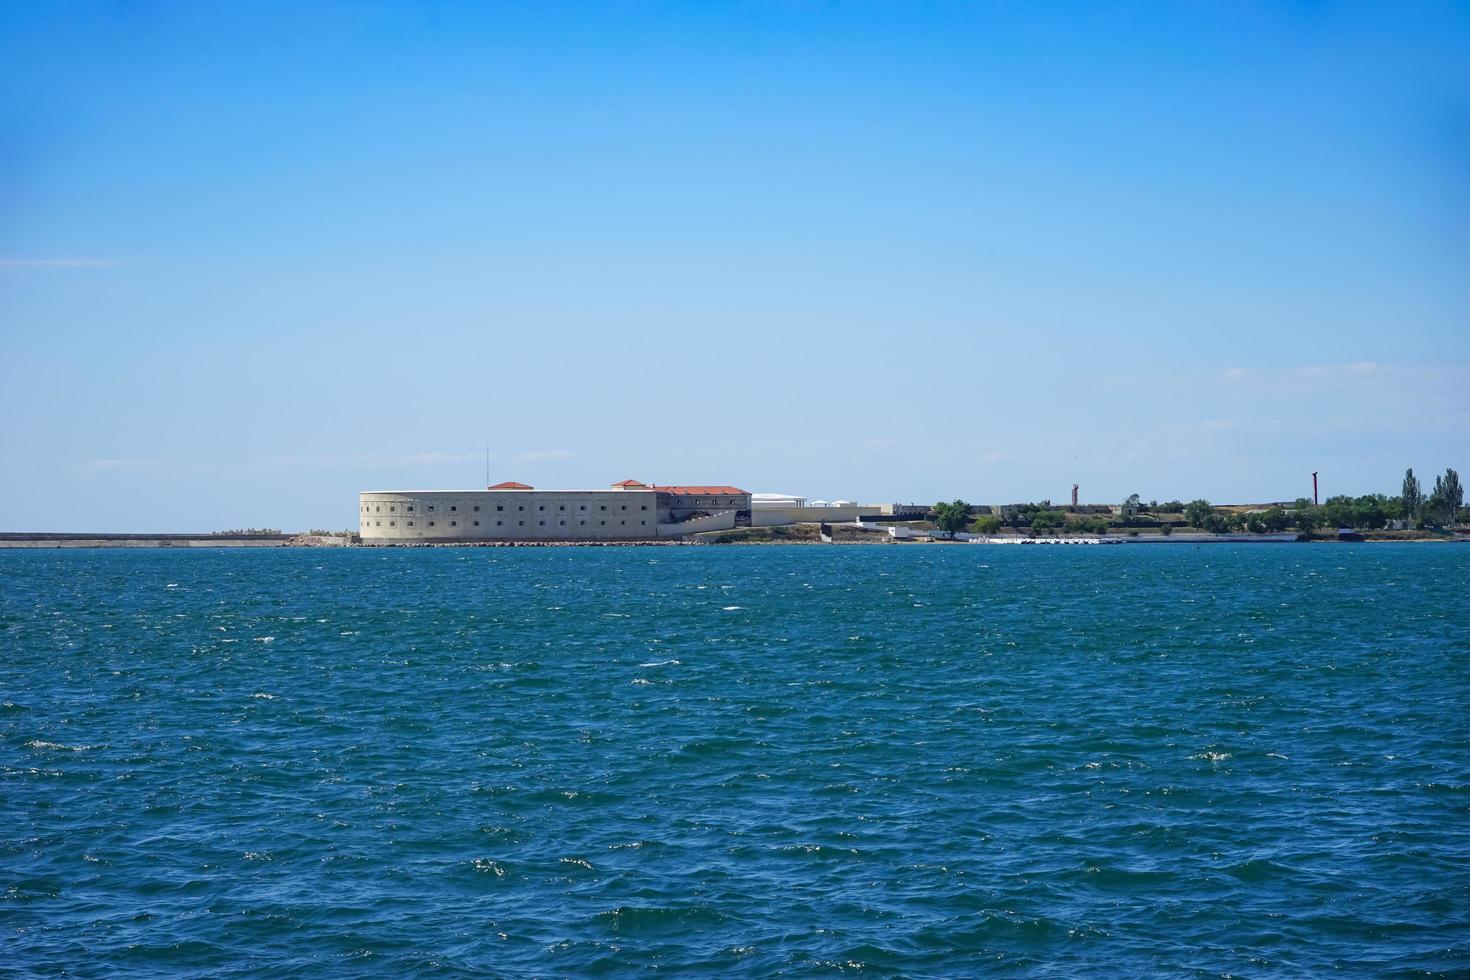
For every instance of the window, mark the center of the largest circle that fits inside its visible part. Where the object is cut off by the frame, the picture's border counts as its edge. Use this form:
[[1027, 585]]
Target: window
[[497, 523], [456, 523], [456, 507], [603, 507], [409, 508], [477, 524], [500, 507], [583, 507], [644, 507], [642, 522], [431, 507], [562, 507], [623, 523], [392, 509], [521, 523], [392, 523], [582, 523], [562, 523], [431, 524], [377, 523], [540, 506], [542, 523], [477, 508], [410, 523], [623, 507], [602, 522], [520, 508]]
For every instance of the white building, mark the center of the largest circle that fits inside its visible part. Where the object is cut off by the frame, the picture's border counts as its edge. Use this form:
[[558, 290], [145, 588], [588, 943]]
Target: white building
[[763, 500]]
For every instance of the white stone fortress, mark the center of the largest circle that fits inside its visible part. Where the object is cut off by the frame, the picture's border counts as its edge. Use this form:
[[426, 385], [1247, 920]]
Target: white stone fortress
[[627, 511]]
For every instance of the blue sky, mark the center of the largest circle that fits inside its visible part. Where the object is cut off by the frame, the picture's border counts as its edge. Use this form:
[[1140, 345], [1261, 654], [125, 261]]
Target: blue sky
[[256, 258]]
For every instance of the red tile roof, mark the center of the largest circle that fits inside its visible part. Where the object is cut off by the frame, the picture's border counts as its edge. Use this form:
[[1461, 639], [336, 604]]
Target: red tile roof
[[511, 485], [702, 491], [629, 483]]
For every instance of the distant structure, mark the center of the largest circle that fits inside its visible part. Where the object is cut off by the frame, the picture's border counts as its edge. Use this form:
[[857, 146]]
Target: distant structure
[[760, 500], [1315, 501], [1075, 488], [776, 509], [626, 511]]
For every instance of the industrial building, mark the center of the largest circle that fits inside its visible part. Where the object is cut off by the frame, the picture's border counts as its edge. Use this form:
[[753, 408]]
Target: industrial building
[[626, 511]]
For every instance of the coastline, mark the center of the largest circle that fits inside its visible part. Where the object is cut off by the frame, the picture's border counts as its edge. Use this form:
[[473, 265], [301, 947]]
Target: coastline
[[42, 541]]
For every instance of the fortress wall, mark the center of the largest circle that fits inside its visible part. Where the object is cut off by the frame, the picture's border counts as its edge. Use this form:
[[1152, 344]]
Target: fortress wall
[[427, 516]]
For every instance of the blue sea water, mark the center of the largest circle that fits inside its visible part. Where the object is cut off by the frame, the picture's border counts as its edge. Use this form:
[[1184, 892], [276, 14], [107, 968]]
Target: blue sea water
[[905, 760]]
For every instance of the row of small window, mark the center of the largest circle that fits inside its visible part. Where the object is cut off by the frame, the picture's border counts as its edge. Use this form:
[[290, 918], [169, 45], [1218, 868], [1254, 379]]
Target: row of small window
[[393, 508], [497, 523]]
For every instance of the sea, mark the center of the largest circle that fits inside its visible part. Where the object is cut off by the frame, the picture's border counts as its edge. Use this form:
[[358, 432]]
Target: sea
[[902, 760]]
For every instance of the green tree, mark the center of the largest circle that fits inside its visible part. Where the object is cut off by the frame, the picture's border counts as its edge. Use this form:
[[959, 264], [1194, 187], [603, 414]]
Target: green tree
[[1412, 495], [1340, 511], [1216, 523], [1089, 525], [952, 516], [1393, 507], [1275, 520], [1307, 518], [1371, 511], [1197, 511], [985, 525], [1046, 520], [1447, 499], [1166, 530]]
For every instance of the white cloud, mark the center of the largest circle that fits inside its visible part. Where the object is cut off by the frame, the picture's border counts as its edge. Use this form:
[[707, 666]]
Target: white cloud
[[1356, 369], [74, 262]]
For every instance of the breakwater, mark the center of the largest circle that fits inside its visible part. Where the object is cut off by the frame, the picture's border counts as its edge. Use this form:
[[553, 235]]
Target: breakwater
[[17, 539]]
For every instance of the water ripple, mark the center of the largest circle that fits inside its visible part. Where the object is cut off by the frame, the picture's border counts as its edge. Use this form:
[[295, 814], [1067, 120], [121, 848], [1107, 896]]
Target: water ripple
[[926, 761]]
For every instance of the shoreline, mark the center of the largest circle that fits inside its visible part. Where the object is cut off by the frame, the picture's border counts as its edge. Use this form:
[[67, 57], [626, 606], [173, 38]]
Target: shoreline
[[52, 542]]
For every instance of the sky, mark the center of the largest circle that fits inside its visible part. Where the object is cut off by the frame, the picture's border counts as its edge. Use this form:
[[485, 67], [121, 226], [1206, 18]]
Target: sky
[[256, 258]]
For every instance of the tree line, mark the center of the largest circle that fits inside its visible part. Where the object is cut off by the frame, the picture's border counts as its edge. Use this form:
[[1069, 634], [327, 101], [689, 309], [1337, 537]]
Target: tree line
[[1443, 505]]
